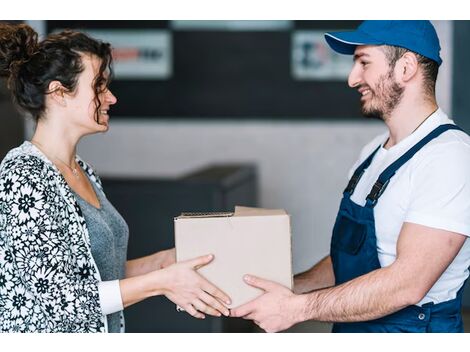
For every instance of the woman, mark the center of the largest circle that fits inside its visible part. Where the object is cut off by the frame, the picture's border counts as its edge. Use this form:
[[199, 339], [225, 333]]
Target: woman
[[62, 244]]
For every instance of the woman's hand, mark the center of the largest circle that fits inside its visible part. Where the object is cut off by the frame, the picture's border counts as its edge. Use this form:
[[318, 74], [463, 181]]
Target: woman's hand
[[155, 261], [165, 258], [190, 291]]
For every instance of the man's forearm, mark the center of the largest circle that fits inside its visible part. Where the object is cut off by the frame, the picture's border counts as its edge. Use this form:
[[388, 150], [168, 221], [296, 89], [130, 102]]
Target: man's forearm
[[321, 275], [371, 296]]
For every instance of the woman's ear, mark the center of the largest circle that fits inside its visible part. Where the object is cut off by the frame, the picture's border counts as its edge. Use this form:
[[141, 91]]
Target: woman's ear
[[57, 93]]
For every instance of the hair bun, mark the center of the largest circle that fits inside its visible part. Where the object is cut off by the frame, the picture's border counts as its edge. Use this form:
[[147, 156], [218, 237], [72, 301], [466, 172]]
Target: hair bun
[[17, 44]]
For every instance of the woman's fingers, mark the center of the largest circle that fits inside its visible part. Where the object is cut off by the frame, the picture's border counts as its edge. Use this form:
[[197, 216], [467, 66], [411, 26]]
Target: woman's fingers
[[194, 292], [191, 310], [199, 262], [204, 308], [215, 292], [213, 303]]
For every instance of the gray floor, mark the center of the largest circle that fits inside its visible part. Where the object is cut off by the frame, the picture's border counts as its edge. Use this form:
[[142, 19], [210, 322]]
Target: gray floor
[[313, 326]]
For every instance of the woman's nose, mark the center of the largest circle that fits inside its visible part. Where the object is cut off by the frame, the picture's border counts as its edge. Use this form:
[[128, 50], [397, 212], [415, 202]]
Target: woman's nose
[[110, 98]]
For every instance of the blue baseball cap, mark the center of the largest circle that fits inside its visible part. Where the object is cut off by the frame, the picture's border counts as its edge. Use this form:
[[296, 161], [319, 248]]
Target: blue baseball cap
[[417, 36]]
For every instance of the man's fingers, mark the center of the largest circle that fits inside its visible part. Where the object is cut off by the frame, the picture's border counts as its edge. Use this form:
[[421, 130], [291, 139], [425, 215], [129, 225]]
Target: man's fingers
[[199, 262], [258, 282], [215, 292], [214, 303], [251, 316], [243, 310]]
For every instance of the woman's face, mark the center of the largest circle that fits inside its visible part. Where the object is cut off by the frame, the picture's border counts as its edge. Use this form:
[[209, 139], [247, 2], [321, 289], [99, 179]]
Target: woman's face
[[82, 103]]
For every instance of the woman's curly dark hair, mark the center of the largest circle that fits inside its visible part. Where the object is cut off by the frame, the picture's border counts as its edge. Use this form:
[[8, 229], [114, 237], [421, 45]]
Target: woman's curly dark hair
[[30, 66]]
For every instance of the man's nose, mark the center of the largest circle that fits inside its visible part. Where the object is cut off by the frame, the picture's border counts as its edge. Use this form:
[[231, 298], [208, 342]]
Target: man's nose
[[354, 78]]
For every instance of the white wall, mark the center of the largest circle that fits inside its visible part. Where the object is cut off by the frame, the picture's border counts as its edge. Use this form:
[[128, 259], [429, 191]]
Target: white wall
[[444, 80], [302, 164]]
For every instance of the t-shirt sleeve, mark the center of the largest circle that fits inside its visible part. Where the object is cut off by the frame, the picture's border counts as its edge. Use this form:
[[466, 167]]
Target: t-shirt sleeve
[[440, 189]]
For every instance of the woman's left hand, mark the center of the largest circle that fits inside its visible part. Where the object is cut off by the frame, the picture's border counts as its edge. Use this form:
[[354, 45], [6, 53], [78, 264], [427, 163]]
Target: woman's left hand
[[165, 258], [152, 262]]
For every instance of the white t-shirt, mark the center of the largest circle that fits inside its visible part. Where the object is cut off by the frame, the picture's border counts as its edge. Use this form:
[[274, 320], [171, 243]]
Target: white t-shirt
[[431, 189]]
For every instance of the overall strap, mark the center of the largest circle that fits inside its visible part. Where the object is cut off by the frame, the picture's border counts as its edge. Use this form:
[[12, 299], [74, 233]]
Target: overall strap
[[359, 172], [384, 178]]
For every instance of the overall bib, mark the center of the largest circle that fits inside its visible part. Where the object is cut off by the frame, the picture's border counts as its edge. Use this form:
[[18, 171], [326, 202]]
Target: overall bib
[[354, 253]]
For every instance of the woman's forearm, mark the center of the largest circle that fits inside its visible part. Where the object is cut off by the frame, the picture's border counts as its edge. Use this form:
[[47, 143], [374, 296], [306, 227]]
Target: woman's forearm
[[141, 266], [137, 288], [145, 265]]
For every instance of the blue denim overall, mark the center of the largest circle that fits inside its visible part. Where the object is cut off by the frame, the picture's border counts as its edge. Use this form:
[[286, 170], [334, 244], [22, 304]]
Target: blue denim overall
[[354, 253]]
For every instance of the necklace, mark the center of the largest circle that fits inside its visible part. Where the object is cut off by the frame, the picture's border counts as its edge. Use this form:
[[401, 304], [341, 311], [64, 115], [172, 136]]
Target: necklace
[[71, 168], [415, 128], [423, 121]]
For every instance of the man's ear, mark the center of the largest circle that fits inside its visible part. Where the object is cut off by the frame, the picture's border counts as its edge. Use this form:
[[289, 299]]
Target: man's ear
[[408, 66], [57, 93]]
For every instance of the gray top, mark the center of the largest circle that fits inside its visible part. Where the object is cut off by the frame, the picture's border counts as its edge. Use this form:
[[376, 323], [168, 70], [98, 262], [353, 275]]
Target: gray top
[[109, 234]]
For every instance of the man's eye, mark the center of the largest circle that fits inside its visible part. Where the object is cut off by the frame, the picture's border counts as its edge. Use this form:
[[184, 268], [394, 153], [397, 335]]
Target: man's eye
[[364, 63]]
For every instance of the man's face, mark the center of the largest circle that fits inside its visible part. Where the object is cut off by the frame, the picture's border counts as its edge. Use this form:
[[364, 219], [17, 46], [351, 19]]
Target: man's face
[[375, 80]]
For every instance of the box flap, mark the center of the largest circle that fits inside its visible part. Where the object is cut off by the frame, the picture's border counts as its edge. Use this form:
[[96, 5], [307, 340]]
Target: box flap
[[247, 211], [239, 211], [190, 215]]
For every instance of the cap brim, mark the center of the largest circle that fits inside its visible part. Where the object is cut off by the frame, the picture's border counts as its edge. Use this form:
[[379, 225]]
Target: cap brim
[[346, 42]]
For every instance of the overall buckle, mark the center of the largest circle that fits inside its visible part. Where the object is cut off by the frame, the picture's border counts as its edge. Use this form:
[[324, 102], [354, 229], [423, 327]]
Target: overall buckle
[[353, 182], [377, 191]]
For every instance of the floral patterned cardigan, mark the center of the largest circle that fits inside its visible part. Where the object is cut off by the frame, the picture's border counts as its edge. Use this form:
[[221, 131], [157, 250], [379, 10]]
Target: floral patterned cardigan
[[48, 278]]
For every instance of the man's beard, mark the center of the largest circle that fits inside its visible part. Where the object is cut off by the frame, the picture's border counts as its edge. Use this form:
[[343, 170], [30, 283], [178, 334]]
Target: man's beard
[[387, 95]]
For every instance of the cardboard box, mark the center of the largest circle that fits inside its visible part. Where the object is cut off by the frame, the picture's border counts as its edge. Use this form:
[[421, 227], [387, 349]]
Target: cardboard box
[[249, 241]]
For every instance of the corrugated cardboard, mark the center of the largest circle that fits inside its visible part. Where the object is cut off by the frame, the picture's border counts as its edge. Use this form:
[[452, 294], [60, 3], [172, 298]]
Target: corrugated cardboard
[[249, 241]]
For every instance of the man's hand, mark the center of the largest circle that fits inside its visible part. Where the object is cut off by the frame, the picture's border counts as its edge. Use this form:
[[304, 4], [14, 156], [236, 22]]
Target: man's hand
[[277, 309]]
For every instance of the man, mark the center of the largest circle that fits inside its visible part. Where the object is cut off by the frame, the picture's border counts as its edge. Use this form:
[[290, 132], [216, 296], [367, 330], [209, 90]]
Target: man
[[399, 256]]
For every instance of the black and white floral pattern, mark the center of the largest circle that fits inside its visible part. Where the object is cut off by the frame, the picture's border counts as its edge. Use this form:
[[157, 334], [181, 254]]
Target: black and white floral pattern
[[48, 278]]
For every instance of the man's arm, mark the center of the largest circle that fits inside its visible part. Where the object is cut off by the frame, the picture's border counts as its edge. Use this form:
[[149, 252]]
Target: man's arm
[[423, 254], [321, 275]]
